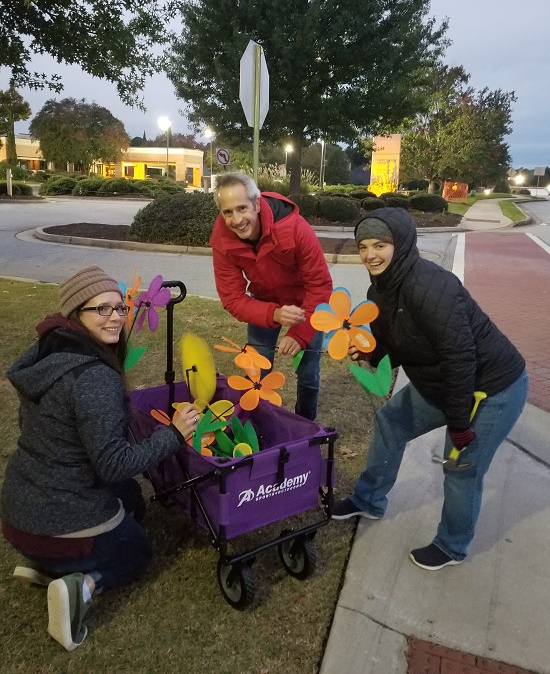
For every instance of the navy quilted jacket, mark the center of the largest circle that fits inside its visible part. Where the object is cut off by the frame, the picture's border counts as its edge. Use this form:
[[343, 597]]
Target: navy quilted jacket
[[430, 325]]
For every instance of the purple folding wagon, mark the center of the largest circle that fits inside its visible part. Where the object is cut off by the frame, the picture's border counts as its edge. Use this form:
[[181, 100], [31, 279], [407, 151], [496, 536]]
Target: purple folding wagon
[[291, 474]]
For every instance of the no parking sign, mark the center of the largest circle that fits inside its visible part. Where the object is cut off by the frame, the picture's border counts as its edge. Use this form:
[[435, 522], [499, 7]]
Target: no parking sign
[[222, 155]]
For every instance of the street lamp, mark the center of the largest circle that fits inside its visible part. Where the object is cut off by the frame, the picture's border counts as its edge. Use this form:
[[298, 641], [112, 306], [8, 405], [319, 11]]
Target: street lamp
[[519, 179], [164, 125], [288, 148], [210, 134]]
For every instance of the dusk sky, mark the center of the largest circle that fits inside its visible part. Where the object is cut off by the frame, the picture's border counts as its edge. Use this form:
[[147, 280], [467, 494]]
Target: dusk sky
[[502, 44]]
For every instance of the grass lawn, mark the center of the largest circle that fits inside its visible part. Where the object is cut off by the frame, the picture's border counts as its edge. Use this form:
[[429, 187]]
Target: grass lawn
[[510, 210], [175, 618]]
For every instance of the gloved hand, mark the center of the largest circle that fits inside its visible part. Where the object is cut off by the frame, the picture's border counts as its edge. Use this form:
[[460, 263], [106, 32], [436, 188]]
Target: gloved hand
[[462, 438]]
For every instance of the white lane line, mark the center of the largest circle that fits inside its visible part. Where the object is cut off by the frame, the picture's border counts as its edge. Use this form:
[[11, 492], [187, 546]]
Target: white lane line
[[458, 262]]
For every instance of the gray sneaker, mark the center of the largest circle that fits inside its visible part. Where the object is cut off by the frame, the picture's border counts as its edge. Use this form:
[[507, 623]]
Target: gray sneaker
[[66, 611], [345, 508]]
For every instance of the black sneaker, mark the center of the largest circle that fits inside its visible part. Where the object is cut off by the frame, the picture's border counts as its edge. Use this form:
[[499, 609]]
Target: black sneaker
[[346, 508], [432, 558]]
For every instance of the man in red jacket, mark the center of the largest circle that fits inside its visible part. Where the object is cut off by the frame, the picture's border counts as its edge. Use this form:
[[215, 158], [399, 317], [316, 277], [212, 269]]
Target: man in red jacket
[[270, 272]]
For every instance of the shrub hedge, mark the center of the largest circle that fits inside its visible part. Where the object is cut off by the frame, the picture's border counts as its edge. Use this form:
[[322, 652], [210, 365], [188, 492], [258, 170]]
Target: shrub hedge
[[398, 202], [181, 219], [371, 203], [338, 209], [116, 186], [429, 203], [87, 187], [57, 185], [17, 173], [307, 203], [361, 194]]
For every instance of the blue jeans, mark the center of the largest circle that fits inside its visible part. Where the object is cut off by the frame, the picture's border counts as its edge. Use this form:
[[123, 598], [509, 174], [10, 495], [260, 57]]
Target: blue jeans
[[406, 416], [118, 556], [307, 392]]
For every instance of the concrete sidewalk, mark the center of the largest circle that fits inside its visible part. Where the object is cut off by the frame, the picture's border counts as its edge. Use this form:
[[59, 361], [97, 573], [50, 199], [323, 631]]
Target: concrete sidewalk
[[495, 607]]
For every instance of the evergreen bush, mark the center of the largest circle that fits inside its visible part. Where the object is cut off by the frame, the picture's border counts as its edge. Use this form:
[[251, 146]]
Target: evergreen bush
[[307, 203], [87, 187], [17, 173], [502, 186], [24, 189], [116, 186], [398, 202], [371, 203], [338, 209], [15, 191], [429, 203], [361, 194], [181, 219], [57, 185]]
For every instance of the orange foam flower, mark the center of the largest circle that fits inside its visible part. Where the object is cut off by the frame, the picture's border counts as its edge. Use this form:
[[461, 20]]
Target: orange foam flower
[[344, 325], [129, 295], [248, 357], [256, 388]]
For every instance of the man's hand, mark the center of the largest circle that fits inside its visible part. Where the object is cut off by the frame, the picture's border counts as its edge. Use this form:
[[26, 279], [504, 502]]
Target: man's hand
[[289, 315], [288, 346], [355, 354]]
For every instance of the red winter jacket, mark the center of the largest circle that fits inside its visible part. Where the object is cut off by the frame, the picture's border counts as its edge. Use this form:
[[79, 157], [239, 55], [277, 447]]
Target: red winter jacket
[[286, 267]]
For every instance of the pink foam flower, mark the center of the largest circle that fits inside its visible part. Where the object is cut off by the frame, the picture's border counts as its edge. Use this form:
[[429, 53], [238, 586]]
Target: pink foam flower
[[154, 296]]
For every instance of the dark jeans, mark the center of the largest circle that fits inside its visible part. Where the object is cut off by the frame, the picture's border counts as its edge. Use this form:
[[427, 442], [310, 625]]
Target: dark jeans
[[118, 556], [264, 340]]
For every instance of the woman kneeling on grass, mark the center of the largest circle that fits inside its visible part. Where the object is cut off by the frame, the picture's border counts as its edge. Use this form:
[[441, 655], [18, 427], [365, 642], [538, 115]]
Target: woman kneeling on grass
[[449, 349], [69, 503]]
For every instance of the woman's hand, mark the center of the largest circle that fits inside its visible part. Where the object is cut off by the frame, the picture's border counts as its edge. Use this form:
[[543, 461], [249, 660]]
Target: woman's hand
[[186, 419], [355, 354]]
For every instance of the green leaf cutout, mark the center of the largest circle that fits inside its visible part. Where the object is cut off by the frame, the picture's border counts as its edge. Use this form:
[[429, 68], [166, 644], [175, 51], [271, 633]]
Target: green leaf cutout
[[378, 382], [225, 444], [251, 437], [297, 359], [133, 354]]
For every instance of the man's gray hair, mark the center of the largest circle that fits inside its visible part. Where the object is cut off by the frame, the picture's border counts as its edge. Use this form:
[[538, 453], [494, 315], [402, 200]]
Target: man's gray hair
[[236, 178]]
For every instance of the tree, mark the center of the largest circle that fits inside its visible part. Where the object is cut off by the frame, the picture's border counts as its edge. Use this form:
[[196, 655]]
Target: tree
[[72, 131], [337, 164], [338, 69], [111, 40], [13, 108], [178, 140], [461, 136]]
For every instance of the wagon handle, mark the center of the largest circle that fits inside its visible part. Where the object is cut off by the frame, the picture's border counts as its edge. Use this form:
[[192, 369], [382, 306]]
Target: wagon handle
[[170, 375]]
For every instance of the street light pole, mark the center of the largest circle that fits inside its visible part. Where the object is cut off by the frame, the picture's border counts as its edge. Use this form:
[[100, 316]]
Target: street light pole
[[322, 169], [164, 125], [210, 134]]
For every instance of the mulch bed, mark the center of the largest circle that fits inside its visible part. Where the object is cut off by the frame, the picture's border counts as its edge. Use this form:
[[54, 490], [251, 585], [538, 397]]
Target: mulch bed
[[344, 246]]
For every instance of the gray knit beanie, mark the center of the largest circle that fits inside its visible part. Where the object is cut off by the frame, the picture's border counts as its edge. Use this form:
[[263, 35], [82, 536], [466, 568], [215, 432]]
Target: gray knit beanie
[[77, 289], [373, 228]]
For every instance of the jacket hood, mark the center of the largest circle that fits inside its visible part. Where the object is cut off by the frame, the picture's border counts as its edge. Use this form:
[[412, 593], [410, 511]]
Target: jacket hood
[[403, 229], [58, 351]]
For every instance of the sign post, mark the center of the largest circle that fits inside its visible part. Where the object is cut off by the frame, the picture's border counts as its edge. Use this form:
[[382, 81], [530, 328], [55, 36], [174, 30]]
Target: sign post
[[254, 94]]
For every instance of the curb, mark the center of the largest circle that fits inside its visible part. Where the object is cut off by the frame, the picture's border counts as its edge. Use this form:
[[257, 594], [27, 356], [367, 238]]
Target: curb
[[39, 233]]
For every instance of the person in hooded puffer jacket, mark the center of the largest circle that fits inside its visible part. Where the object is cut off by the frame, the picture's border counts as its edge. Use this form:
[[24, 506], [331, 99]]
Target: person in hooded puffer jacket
[[69, 502], [449, 349]]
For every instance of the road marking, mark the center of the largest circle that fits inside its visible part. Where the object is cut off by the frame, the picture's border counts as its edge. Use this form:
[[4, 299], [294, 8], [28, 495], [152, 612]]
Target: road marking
[[458, 262]]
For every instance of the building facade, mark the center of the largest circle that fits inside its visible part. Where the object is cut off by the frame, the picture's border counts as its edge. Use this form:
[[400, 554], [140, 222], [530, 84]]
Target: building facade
[[137, 163]]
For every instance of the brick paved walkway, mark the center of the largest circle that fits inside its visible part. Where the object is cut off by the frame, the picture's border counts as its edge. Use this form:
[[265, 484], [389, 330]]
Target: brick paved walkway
[[427, 658], [509, 276]]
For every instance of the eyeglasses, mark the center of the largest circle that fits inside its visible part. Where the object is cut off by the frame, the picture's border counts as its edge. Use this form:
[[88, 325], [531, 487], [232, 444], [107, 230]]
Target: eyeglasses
[[105, 310]]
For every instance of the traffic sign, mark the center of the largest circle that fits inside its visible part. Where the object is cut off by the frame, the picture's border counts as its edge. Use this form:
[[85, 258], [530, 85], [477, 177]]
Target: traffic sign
[[247, 86], [222, 155]]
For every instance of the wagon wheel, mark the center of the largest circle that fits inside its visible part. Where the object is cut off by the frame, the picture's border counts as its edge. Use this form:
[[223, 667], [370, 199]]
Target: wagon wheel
[[237, 584], [298, 556]]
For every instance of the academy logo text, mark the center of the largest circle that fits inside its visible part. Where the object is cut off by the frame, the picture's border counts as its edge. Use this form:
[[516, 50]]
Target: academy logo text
[[266, 491]]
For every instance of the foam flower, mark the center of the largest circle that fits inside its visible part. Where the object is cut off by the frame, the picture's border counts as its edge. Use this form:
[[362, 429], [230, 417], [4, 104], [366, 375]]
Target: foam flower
[[257, 388], [129, 295], [346, 326], [247, 358], [155, 296]]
